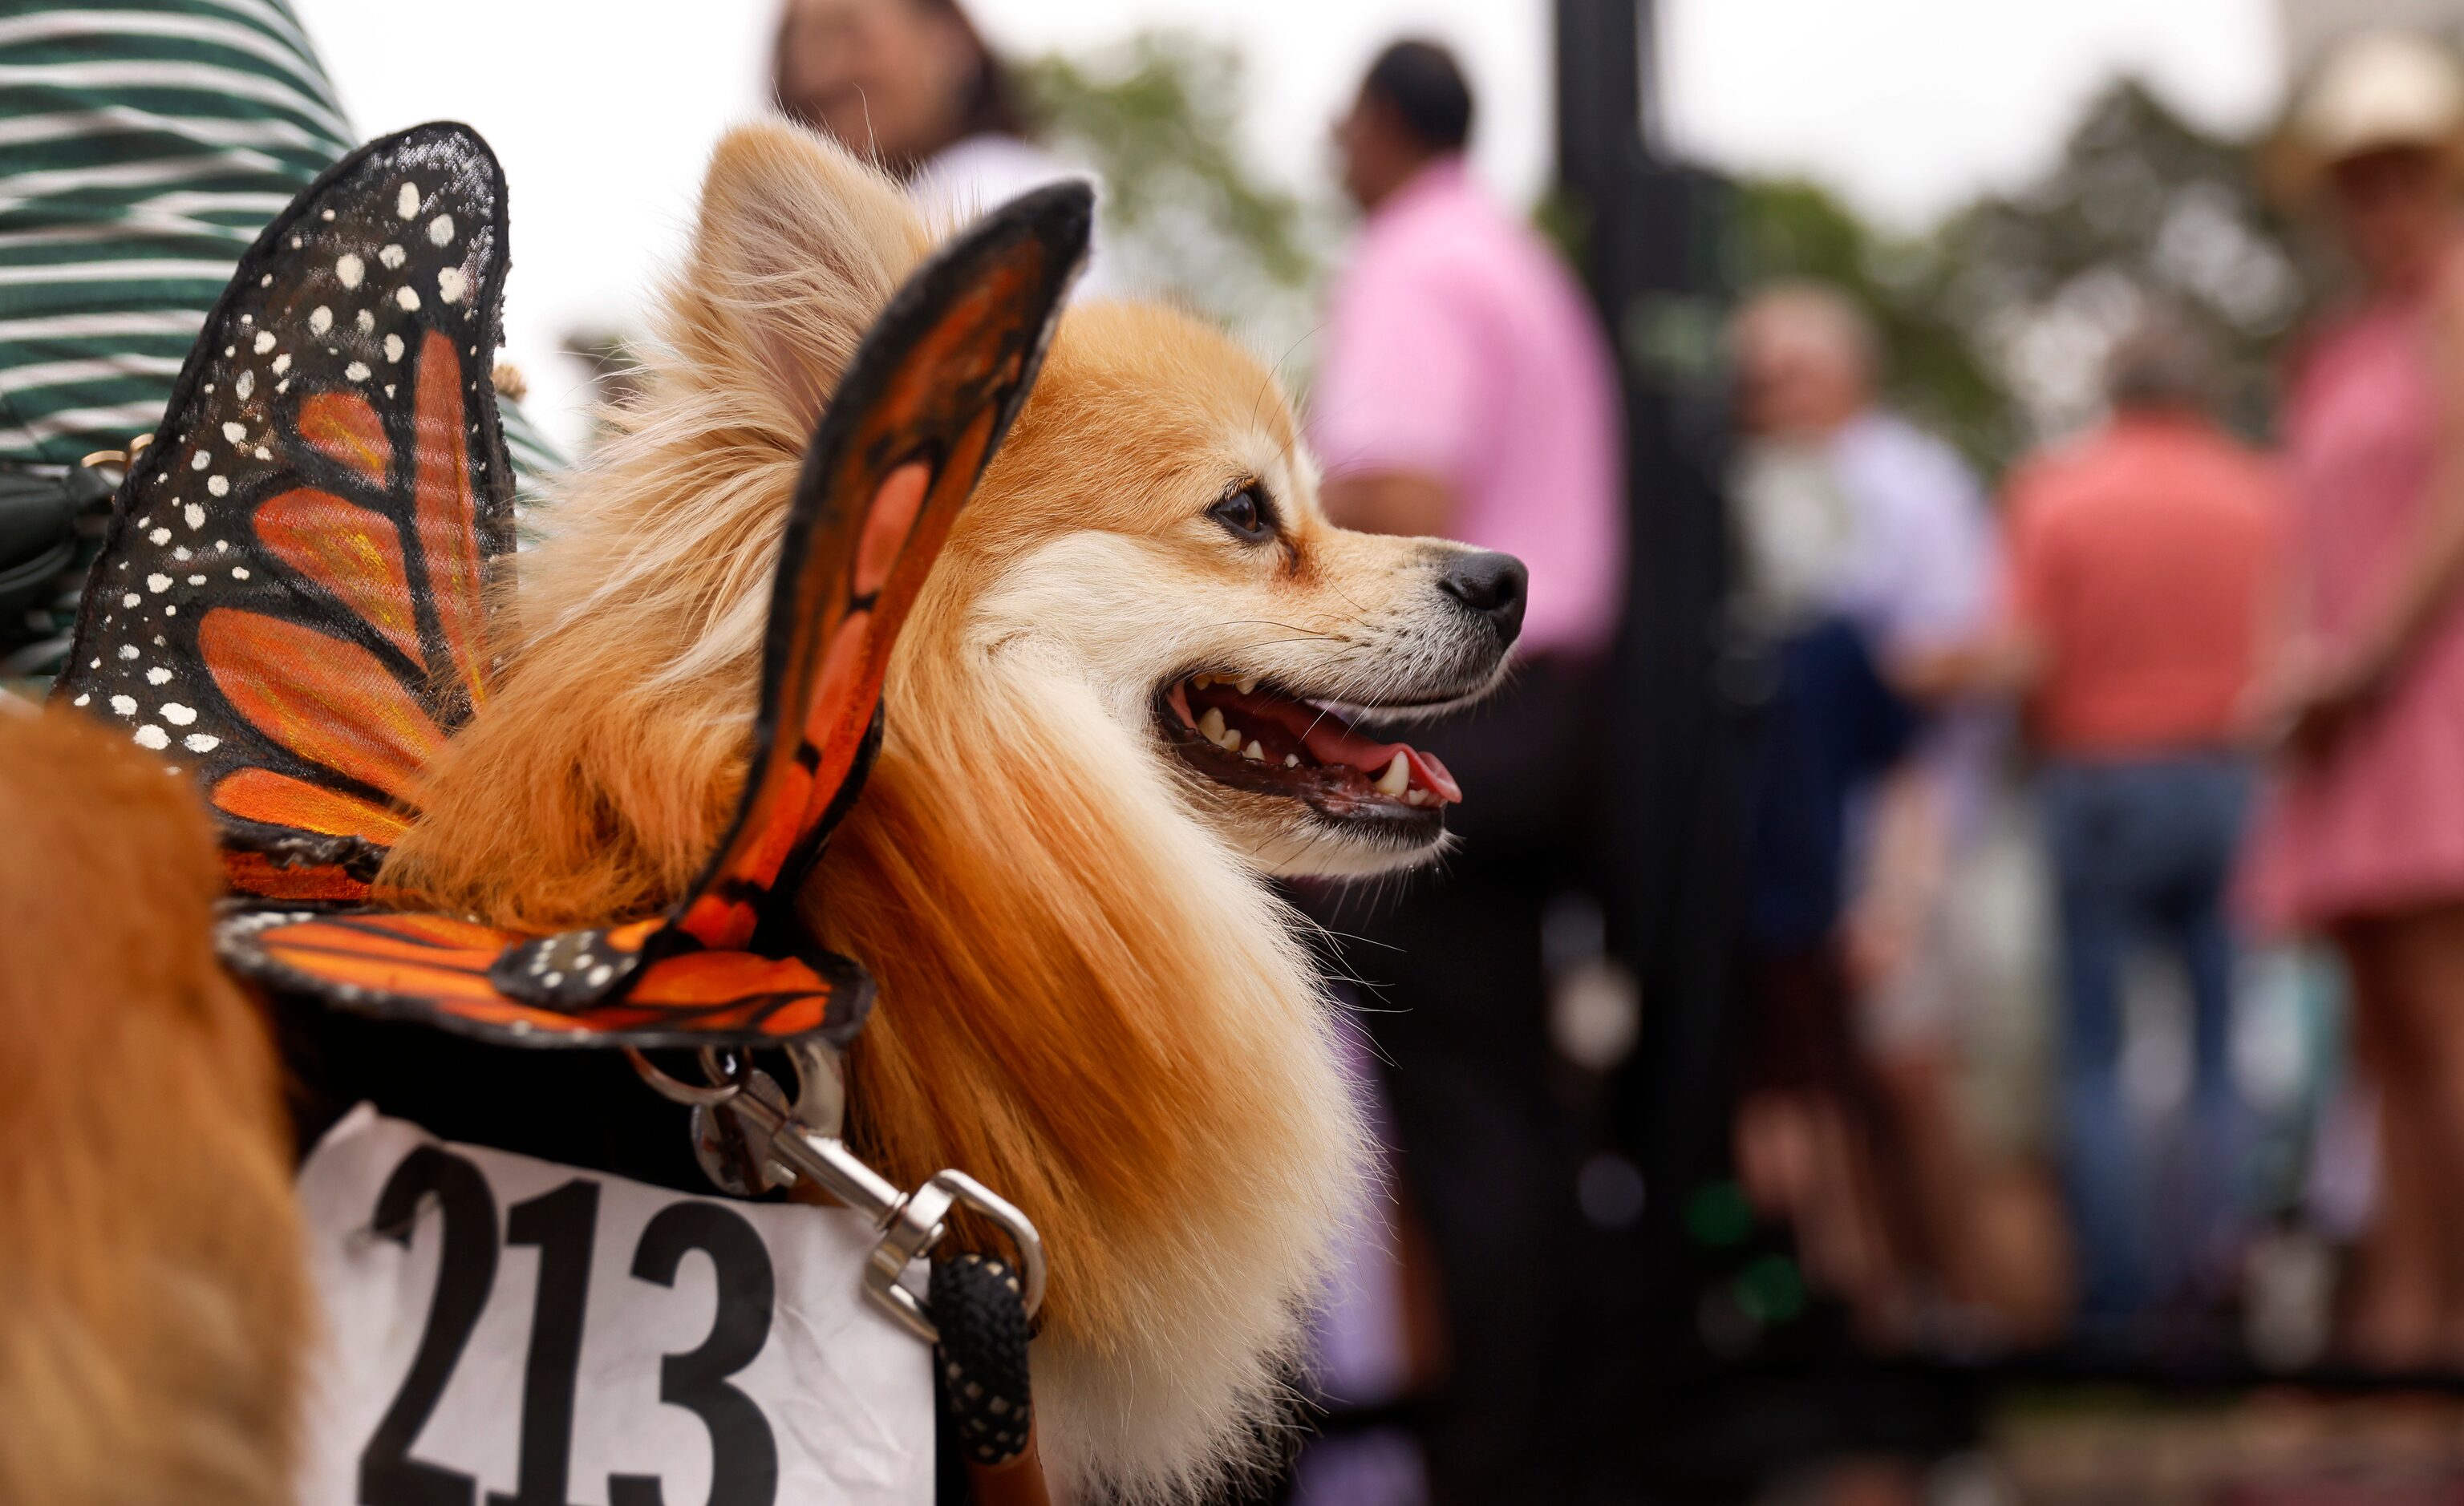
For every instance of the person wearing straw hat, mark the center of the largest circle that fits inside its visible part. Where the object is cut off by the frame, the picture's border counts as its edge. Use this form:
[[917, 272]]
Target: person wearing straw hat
[[2362, 838]]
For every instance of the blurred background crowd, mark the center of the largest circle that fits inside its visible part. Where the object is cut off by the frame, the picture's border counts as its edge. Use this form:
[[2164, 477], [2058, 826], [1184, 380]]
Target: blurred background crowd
[[1951, 985]]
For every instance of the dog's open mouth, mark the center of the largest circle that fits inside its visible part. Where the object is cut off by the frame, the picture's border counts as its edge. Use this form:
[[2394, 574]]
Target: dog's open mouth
[[1252, 736]]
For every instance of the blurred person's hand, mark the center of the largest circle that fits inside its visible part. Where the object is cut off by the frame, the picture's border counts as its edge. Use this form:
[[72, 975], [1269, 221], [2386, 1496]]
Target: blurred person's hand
[[2313, 698], [2004, 661], [1897, 891], [1406, 504], [1879, 940]]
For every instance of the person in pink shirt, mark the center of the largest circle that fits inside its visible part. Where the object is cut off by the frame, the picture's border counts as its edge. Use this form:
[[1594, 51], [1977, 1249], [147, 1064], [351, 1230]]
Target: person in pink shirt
[[1466, 392], [2362, 837]]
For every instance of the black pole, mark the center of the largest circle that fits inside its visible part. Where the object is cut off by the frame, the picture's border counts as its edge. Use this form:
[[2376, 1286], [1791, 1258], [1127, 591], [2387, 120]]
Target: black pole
[[1650, 236]]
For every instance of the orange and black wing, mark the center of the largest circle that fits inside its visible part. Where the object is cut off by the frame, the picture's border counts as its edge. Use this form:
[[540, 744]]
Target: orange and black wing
[[919, 414], [436, 970], [922, 409], [291, 601]]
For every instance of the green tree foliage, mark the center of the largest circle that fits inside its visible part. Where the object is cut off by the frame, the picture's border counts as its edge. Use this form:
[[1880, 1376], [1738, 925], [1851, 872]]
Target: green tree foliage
[[1157, 117], [1997, 322], [1788, 228]]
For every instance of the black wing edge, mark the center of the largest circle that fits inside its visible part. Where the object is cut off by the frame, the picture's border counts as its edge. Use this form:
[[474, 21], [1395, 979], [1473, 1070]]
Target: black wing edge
[[263, 254], [1059, 216]]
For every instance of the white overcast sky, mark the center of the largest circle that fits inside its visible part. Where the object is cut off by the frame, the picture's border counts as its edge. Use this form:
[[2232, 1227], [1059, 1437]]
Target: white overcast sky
[[604, 112]]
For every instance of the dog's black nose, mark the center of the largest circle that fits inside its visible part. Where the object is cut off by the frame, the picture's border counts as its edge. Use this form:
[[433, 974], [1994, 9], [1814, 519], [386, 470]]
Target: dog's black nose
[[1491, 585]]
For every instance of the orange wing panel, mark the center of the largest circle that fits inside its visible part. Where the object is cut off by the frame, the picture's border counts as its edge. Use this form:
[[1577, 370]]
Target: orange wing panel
[[277, 799], [329, 701], [351, 551], [345, 429], [435, 968]]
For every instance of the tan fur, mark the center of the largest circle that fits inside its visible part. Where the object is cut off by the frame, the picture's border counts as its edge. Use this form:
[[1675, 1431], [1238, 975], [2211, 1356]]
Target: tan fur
[[1089, 997], [153, 1301]]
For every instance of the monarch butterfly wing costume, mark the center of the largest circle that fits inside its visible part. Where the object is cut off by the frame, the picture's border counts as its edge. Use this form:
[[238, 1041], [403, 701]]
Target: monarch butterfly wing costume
[[290, 598], [918, 416]]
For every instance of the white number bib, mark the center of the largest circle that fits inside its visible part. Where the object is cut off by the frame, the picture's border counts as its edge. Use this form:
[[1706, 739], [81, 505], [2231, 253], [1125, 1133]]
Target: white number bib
[[501, 1331]]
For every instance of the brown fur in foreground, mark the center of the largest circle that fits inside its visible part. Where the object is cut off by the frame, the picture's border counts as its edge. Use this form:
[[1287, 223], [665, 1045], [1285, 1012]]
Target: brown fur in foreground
[[153, 1293]]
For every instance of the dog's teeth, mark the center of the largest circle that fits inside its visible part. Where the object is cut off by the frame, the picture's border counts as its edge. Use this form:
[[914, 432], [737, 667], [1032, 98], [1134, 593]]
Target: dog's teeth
[[1254, 752], [1211, 724], [1417, 796], [1201, 681], [1396, 778], [1249, 687], [1231, 739], [1291, 760]]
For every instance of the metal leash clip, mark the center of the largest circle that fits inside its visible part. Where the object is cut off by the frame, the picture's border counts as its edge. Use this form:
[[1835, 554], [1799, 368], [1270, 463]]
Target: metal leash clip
[[750, 1139]]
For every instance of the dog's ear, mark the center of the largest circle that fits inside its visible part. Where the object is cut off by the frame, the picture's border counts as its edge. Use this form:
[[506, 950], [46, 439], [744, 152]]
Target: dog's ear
[[797, 248]]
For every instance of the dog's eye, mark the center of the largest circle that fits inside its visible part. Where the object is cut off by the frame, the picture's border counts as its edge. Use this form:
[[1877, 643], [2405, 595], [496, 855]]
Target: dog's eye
[[1248, 513]]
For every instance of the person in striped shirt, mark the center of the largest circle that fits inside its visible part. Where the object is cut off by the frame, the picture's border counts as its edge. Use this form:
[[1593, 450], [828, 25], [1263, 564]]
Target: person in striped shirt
[[144, 144]]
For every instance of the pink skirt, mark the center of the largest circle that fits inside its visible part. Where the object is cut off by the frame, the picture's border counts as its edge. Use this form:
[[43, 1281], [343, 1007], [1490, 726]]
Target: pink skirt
[[2377, 827]]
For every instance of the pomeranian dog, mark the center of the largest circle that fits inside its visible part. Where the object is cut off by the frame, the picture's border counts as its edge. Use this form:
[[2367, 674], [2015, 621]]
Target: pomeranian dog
[[154, 1304], [1113, 716]]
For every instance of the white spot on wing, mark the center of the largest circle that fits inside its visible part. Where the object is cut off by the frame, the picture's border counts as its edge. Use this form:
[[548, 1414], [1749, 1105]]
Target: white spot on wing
[[350, 268], [393, 347], [320, 319], [408, 299], [357, 371], [219, 486], [194, 515], [235, 432], [152, 736], [440, 230], [264, 342], [406, 203], [124, 705], [199, 742], [178, 715], [450, 284], [157, 675]]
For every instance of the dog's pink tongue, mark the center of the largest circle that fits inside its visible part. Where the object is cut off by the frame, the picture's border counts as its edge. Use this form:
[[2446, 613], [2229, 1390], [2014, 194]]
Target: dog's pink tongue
[[1329, 740], [1332, 742]]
